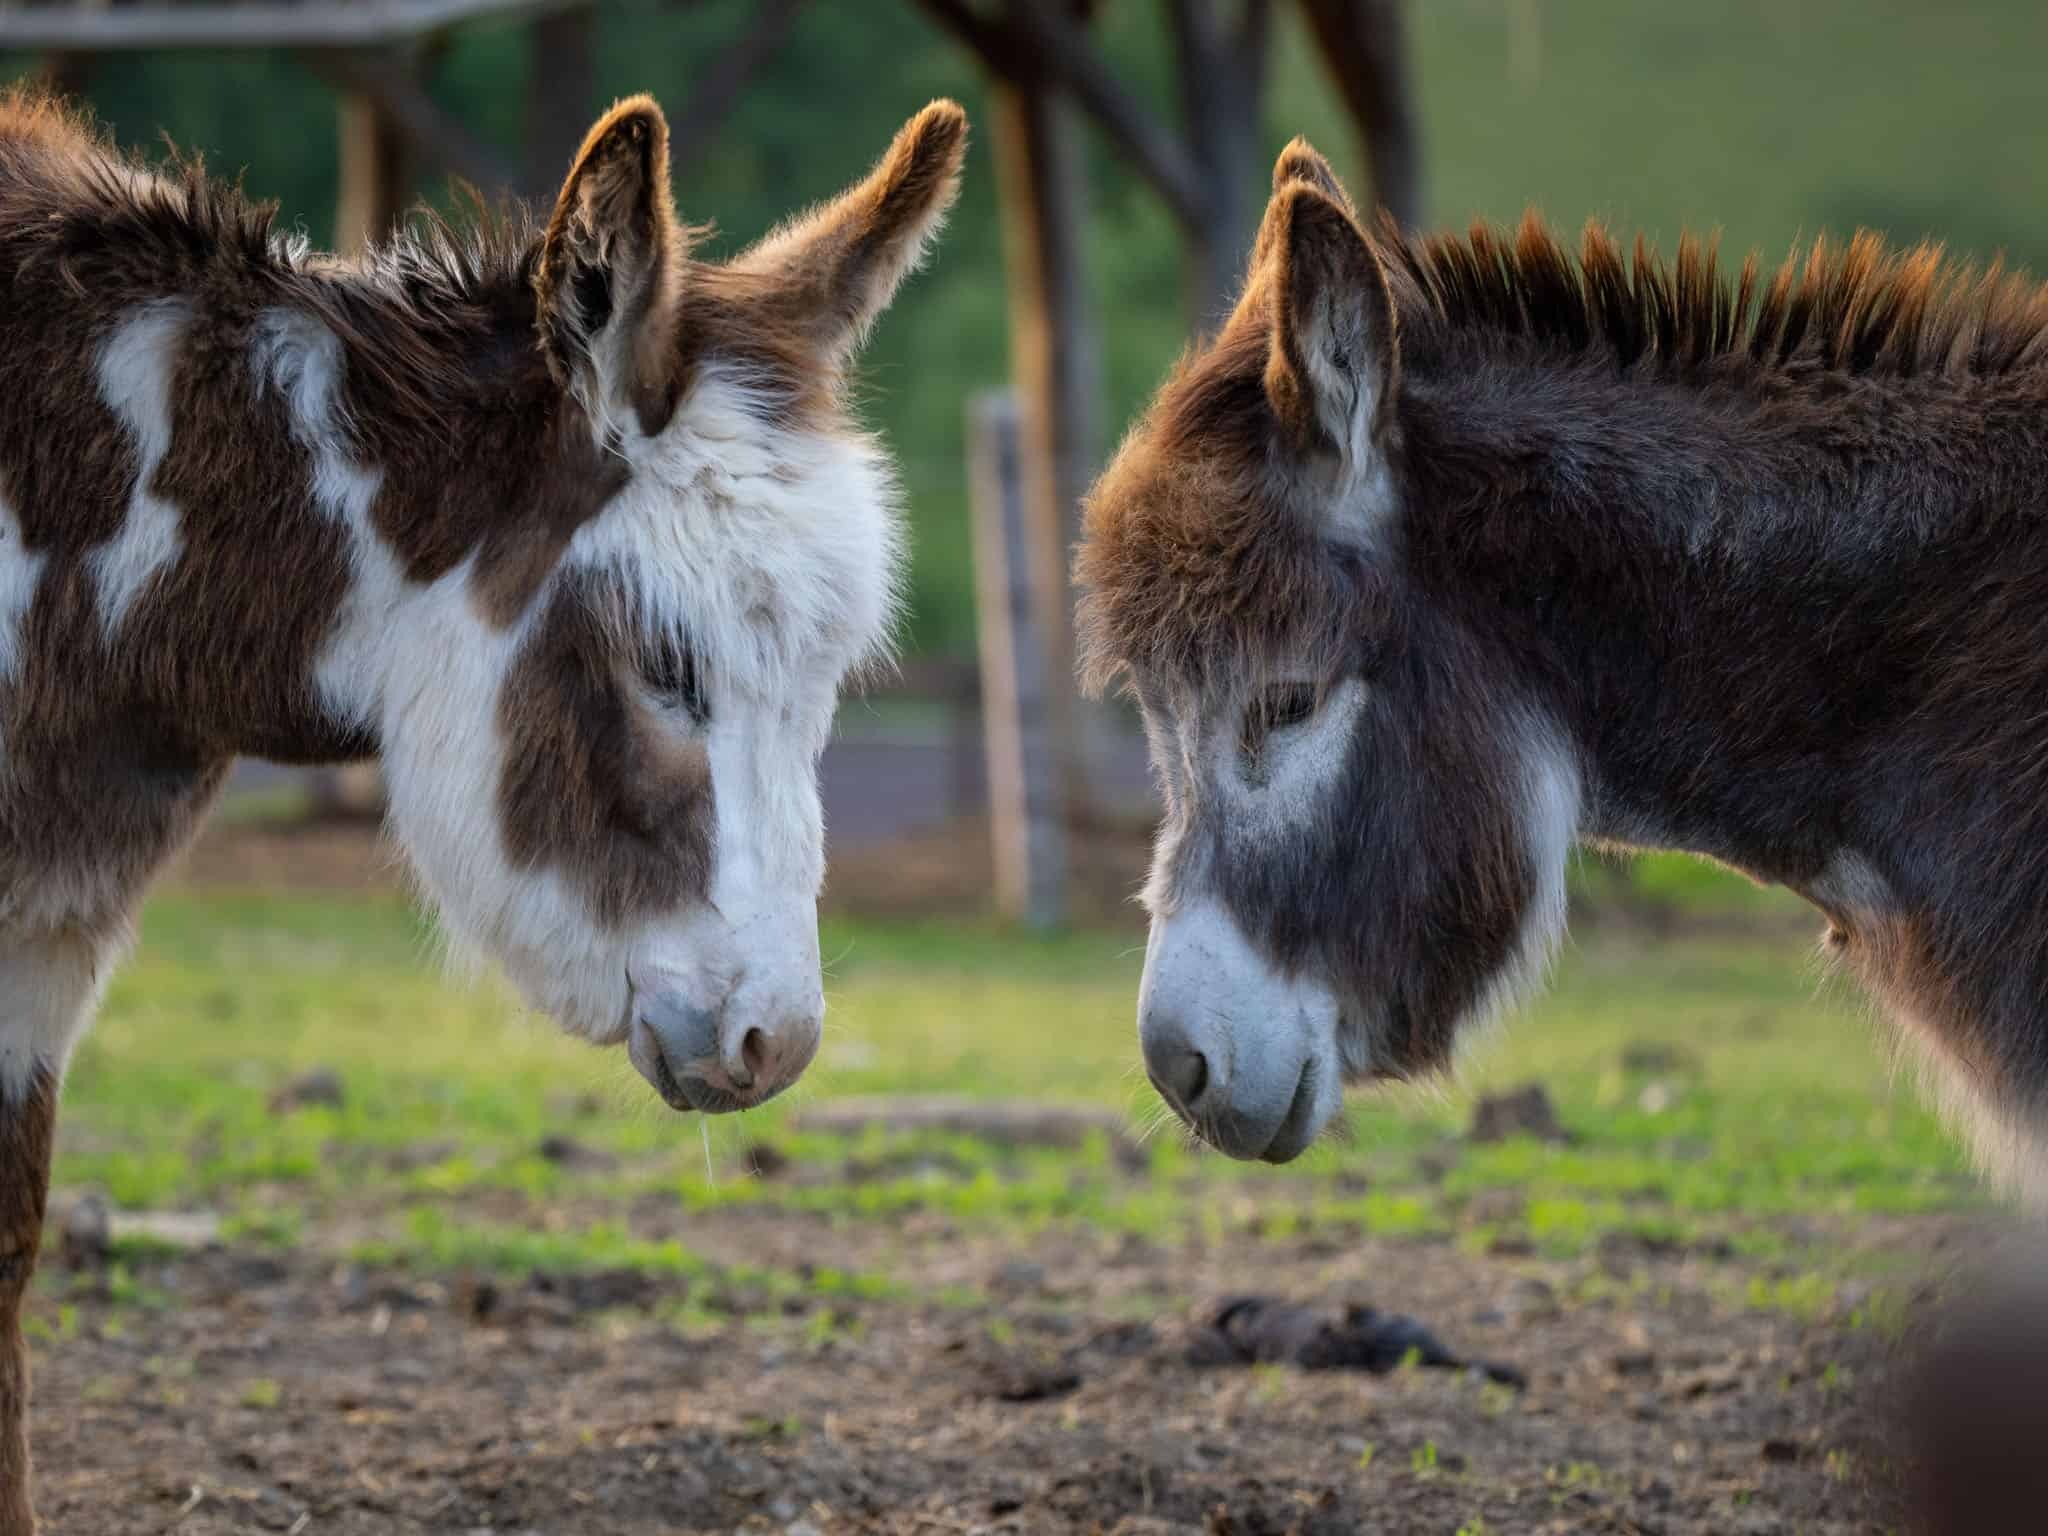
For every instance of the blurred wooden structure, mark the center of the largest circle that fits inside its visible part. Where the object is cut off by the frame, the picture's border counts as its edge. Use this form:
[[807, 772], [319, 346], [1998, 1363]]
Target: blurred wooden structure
[[1021, 684], [1047, 78]]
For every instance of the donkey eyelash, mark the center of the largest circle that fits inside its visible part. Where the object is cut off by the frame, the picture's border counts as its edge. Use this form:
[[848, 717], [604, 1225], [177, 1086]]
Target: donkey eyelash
[[672, 676], [1276, 709]]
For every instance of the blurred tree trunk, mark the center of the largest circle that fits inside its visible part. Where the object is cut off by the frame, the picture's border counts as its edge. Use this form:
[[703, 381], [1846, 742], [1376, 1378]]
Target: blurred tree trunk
[[1054, 363], [1221, 65], [724, 79], [1365, 44], [376, 174], [561, 95]]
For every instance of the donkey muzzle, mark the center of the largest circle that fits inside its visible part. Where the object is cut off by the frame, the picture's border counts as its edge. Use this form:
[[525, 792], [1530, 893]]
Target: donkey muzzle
[[720, 1059], [1243, 1054]]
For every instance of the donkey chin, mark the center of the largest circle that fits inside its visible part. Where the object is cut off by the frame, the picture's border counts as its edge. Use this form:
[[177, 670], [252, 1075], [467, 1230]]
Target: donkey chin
[[1247, 1056]]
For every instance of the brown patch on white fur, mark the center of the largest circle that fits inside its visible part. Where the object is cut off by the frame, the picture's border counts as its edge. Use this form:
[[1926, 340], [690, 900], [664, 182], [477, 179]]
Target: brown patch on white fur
[[598, 786]]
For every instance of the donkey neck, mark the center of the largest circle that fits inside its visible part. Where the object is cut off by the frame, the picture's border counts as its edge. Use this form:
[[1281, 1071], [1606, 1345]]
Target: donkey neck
[[1740, 594]]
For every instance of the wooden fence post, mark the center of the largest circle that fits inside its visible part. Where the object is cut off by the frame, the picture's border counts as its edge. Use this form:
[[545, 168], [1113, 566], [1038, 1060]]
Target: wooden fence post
[[1027, 811]]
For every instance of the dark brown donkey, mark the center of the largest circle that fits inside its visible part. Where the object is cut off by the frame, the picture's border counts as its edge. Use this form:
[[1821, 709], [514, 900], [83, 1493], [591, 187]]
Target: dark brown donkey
[[1451, 552], [569, 528]]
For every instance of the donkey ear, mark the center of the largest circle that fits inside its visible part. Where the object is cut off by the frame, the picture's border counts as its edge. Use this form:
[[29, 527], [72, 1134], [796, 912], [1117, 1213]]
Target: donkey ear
[[1334, 361], [1300, 164], [833, 270], [611, 270]]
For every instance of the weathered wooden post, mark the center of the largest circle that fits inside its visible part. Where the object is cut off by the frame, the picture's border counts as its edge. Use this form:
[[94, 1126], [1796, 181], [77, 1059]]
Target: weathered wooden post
[[1026, 792]]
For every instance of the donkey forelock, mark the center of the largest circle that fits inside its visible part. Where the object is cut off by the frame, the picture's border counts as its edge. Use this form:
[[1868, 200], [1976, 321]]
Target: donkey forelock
[[572, 527]]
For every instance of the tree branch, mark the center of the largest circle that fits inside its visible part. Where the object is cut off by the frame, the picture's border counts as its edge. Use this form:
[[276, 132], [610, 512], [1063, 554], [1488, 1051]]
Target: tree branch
[[405, 102], [1034, 44], [718, 87], [1362, 42]]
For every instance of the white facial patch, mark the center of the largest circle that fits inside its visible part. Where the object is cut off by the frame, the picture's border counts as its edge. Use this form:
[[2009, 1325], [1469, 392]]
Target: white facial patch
[[135, 368]]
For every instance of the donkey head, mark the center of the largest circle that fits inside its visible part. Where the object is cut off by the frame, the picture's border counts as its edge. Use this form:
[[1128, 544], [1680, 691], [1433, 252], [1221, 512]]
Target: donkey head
[[608, 778], [1366, 827]]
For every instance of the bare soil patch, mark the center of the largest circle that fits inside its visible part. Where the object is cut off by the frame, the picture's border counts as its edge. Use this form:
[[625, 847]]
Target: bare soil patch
[[1016, 1386]]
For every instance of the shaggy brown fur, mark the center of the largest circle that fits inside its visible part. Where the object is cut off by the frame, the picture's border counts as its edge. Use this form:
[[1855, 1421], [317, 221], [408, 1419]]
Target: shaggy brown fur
[[1759, 561], [1198, 579]]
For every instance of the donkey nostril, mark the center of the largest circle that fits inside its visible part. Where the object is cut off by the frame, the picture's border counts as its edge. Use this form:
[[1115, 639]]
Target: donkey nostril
[[1183, 1076], [754, 1054]]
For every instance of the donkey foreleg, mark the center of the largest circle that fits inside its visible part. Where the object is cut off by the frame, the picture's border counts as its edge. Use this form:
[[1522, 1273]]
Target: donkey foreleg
[[47, 988]]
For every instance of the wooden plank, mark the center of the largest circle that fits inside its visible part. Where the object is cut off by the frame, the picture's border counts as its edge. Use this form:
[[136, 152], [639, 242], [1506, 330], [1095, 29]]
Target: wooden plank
[[375, 181], [360, 24], [1053, 365], [1027, 812]]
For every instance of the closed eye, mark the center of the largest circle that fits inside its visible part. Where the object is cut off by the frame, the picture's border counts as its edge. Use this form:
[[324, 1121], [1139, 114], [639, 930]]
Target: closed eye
[[670, 671], [1274, 710]]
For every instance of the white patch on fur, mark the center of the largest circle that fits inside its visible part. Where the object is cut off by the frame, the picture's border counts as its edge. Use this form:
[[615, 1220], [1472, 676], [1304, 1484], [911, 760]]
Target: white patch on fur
[[49, 989], [775, 558], [136, 366], [1852, 885], [303, 361], [20, 570], [1550, 830]]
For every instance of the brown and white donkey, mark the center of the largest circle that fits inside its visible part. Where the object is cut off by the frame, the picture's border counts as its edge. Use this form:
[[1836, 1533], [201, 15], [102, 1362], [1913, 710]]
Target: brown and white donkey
[[1451, 552], [571, 530]]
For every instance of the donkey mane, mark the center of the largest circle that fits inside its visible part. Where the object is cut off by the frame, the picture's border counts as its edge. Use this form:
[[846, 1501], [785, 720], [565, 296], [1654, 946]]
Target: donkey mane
[[1856, 308]]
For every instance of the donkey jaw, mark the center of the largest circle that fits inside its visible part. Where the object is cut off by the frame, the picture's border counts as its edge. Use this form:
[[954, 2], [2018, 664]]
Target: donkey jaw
[[1247, 1057]]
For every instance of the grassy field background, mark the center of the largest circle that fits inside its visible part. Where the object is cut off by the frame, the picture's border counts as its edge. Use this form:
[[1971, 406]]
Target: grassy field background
[[1714, 1089]]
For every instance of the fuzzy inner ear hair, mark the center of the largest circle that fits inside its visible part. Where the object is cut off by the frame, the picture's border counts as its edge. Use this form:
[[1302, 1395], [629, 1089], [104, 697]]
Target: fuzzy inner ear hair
[[834, 269], [609, 283]]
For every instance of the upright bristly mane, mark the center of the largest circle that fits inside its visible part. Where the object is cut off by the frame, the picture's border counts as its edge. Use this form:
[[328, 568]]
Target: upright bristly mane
[[1856, 307]]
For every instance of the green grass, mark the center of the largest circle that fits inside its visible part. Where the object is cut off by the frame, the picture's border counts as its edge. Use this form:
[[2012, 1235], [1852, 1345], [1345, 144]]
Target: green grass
[[1770, 1100]]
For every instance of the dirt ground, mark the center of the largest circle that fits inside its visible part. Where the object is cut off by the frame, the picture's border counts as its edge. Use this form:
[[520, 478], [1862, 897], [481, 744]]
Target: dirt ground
[[237, 1388], [266, 1392]]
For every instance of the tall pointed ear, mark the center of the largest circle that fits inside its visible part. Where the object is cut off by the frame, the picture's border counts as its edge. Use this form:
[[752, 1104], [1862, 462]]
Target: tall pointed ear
[[611, 271], [1334, 362], [833, 270], [1299, 165]]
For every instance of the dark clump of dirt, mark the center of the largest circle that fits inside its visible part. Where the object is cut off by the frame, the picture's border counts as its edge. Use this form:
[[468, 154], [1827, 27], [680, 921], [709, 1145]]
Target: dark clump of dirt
[[1523, 1111], [1262, 1330], [320, 1088]]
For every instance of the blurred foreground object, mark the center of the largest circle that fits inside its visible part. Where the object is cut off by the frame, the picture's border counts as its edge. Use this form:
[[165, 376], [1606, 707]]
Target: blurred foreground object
[[1975, 1405]]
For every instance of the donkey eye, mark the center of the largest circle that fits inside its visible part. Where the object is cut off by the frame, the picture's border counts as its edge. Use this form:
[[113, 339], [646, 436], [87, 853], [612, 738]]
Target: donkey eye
[[1289, 704], [1276, 709], [670, 672]]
